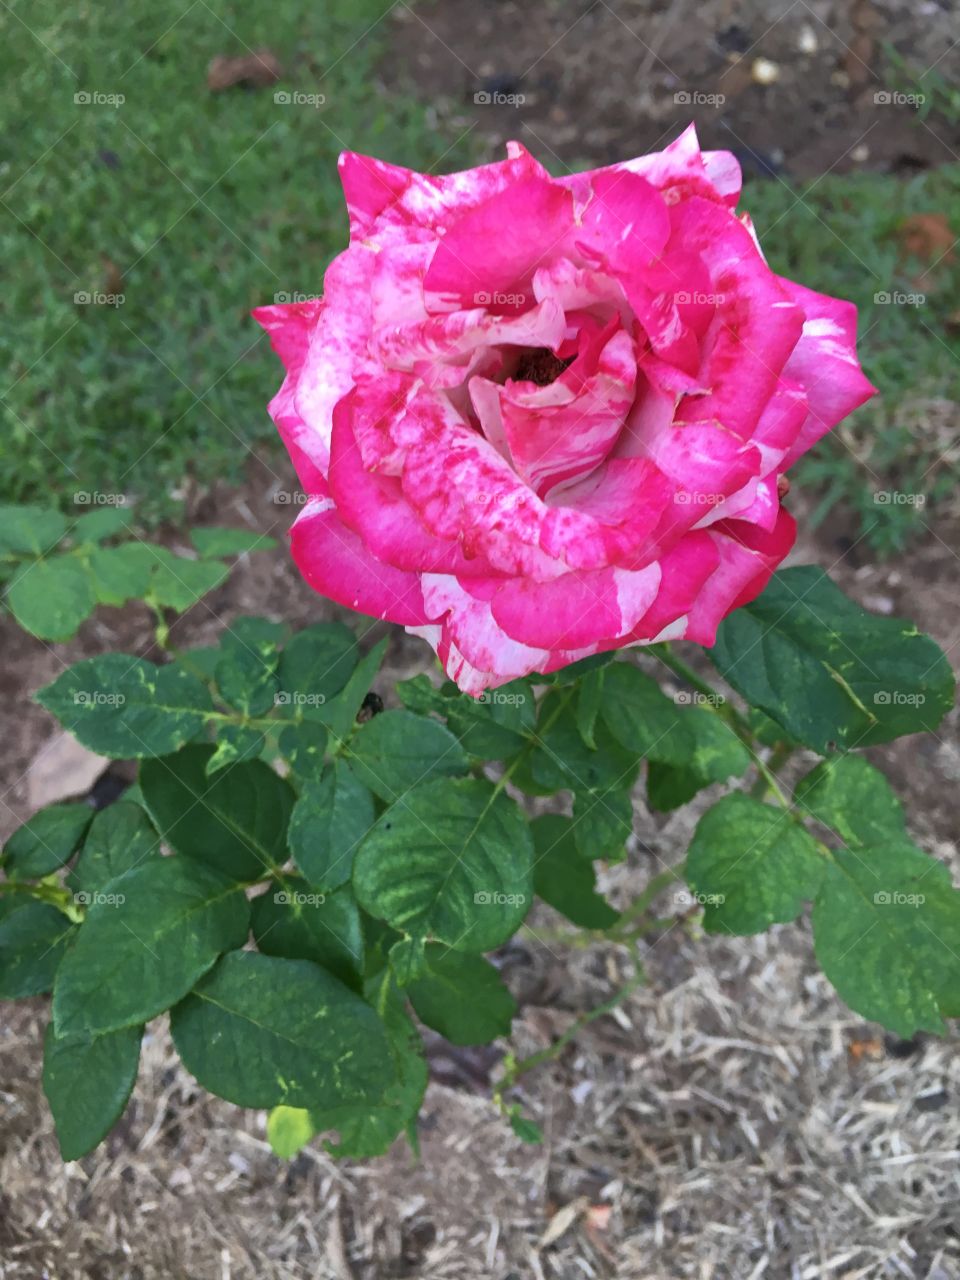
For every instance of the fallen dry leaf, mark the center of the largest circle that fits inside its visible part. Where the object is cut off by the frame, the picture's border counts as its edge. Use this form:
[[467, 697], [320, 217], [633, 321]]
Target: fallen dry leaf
[[250, 71]]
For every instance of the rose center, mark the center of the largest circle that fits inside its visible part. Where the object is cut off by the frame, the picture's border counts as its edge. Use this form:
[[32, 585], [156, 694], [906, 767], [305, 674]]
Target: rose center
[[539, 365]]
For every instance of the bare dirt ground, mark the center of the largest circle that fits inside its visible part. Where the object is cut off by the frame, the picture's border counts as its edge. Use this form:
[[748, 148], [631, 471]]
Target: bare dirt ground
[[733, 1120]]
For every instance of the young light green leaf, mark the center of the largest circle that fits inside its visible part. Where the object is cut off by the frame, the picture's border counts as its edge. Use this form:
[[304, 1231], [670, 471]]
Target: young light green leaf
[[451, 861], [563, 875], [289, 1129], [262, 1031], [235, 821], [120, 573], [395, 750], [751, 865], [886, 928], [88, 1083], [849, 795], [462, 997], [33, 939], [329, 820], [94, 526], [47, 840], [145, 941], [121, 706], [826, 670]]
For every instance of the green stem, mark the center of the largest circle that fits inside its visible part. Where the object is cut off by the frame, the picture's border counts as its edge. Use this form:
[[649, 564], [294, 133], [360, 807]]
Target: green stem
[[51, 893], [641, 905], [515, 1068]]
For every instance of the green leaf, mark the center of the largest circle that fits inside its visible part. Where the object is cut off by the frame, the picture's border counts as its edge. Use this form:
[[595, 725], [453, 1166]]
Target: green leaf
[[120, 838], [589, 698], [229, 542], [88, 1083], [235, 821], [27, 530], [828, 672], [121, 573], [368, 1130], [33, 939], [50, 598], [577, 670], [562, 760], [564, 877], [47, 840], [304, 747], [262, 1031], [121, 706], [408, 960], [103, 522], [642, 718], [452, 861], [339, 713], [329, 820], [526, 1130], [462, 997], [603, 822], [314, 666], [395, 750], [144, 943], [201, 661], [717, 754], [178, 582], [496, 724], [289, 1129], [246, 670], [886, 928], [751, 865], [294, 920], [849, 795], [235, 744]]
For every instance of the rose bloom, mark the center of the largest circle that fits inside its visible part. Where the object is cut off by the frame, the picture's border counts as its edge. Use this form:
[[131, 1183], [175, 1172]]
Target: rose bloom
[[538, 418]]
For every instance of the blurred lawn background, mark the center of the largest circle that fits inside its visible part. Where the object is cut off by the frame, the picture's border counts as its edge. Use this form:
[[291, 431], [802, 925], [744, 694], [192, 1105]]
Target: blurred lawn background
[[197, 206]]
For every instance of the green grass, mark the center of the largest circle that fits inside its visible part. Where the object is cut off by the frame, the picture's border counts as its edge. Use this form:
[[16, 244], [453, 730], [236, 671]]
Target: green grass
[[840, 236], [208, 204]]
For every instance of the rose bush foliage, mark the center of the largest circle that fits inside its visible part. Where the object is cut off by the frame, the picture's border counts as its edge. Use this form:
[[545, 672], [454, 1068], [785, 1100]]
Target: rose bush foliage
[[538, 419]]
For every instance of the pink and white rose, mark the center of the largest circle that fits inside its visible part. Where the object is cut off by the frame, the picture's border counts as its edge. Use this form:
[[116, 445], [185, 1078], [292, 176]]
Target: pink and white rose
[[538, 418]]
